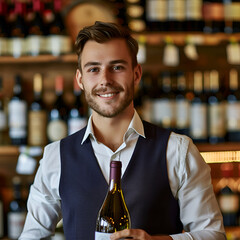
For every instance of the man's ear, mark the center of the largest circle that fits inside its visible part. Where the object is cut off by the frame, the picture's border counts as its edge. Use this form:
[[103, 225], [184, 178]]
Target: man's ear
[[79, 78], [137, 74]]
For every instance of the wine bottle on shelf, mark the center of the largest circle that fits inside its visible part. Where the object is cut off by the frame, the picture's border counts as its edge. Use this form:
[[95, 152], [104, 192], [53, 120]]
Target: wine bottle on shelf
[[233, 107], [1, 217], [213, 15], [17, 41], [37, 116], [57, 123], [17, 211], [17, 115], [164, 103], [76, 118], [227, 195], [216, 111], [235, 16], [3, 29], [198, 111], [194, 21], [156, 15], [176, 15], [58, 41], [3, 118], [182, 105], [113, 215], [36, 31], [135, 12]]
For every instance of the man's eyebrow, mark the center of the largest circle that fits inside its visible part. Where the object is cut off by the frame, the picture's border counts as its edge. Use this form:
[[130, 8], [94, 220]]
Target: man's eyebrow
[[91, 64], [118, 61]]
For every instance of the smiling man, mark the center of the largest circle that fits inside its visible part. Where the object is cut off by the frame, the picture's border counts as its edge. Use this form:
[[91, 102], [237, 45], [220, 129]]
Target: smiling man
[[166, 183]]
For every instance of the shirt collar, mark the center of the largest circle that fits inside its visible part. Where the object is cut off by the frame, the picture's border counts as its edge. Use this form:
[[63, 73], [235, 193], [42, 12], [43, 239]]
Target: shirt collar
[[135, 126]]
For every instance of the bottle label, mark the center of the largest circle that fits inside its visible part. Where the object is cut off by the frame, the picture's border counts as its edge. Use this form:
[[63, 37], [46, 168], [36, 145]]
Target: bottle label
[[102, 236], [233, 116], [37, 128], [36, 45], [163, 112], [3, 46], [15, 224], [217, 120], [194, 9], [176, 10], [17, 114], [235, 11], [198, 125], [182, 114], [156, 10], [229, 203], [59, 44], [17, 47], [56, 130]]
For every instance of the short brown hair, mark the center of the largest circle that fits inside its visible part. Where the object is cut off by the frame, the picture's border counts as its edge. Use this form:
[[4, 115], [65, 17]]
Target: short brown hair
[[102, 32]]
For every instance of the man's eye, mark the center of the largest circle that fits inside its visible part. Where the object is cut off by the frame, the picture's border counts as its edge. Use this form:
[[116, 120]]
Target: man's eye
[[117, 68], [93, 70]]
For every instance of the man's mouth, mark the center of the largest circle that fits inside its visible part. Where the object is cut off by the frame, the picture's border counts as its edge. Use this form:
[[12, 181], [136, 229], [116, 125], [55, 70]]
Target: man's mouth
[[107, 95]]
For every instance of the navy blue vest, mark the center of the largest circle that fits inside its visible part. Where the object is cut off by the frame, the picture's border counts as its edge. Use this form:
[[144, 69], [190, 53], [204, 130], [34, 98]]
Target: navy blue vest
[[145, 186]]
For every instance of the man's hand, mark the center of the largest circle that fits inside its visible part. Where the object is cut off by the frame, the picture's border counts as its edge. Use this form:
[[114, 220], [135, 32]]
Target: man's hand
[[136, 234]]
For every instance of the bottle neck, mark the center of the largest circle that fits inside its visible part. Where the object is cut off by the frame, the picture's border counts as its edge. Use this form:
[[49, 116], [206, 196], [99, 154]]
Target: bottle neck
[[115, 175]]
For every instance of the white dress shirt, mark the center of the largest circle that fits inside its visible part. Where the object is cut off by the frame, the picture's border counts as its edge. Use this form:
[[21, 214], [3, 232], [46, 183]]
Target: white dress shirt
[[189, 178]]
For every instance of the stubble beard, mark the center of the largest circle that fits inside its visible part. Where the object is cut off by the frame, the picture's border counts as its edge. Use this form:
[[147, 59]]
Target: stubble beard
[[112, 111]]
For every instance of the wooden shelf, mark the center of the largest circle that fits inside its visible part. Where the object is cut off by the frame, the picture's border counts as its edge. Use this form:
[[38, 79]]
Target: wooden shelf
[[71, 58], [226, 146], [198, 38]]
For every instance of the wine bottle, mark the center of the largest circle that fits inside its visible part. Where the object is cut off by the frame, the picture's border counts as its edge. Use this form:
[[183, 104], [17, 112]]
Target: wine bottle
[[17, 115], [156, 15], [194, 21], [176, 15], [57, 123], [37, 116], [198, 111], [235, 16], [216, 113], [164, 103], [36, 31], [182, 105], [233, 108], [213, 15], [58, 41], [76, 118], [3, 118], [17, 211], [3, 29], [18, 31], [227, 195], [1, 217], [113, 215]]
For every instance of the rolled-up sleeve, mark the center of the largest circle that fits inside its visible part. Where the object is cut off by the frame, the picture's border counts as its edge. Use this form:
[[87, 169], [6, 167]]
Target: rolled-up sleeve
[[44, 204], [190, 182]]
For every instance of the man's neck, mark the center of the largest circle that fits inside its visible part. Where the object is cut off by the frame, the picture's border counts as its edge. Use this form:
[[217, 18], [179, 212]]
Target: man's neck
[[110, 131]]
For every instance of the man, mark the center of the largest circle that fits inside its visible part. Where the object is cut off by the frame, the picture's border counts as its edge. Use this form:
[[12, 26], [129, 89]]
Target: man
[[166, 183]]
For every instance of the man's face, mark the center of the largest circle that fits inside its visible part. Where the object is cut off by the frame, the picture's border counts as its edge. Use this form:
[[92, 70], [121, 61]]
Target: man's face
[[107, 77]]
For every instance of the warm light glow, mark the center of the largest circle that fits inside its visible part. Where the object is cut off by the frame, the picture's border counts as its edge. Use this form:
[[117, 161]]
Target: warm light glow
[[221, 156]]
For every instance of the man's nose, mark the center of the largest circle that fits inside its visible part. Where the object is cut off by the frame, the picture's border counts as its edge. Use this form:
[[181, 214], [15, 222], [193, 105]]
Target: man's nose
[[106, 77]]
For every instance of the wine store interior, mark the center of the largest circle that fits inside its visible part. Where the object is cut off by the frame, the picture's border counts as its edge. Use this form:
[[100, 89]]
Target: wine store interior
[[189, 51]]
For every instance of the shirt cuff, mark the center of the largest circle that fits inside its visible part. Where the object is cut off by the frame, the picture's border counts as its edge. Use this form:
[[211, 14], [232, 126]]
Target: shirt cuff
[[181, 236]]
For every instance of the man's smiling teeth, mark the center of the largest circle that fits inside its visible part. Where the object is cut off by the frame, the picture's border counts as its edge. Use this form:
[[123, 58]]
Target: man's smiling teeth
[[107, 95]]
